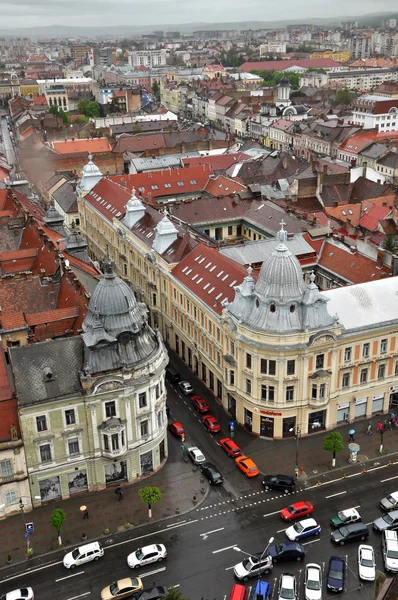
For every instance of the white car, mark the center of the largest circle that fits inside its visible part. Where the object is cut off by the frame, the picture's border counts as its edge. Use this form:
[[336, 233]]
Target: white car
[[21, 594], [366, 563], [287, 587], [146, 555], [251, 566], [313, 582], [302, 529], [185, 387], [196, 455]]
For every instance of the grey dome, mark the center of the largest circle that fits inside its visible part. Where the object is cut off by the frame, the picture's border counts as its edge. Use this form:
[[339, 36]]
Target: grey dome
[[284, 82]]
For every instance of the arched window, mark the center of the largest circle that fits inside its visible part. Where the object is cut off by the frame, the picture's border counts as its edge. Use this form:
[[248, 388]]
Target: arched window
[[272, 308]]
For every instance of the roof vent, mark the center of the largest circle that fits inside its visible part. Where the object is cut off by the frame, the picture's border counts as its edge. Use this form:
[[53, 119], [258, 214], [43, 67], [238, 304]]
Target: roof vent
[[48, 375]]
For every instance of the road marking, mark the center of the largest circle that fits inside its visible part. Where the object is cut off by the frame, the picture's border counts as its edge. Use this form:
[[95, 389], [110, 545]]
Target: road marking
[[60, 562], [229, 568], [281, 530], [153, 572], [209, 532], [69, 576], [338, 494], [81, 596], [141, 537], [222, 549], [370, 523], [389, 479], [312, 542], [178, 523], [276, 512]]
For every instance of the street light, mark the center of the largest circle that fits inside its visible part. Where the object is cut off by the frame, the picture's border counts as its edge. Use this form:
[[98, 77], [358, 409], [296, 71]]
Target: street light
[[22, 507], [252, 555], [297, 431]]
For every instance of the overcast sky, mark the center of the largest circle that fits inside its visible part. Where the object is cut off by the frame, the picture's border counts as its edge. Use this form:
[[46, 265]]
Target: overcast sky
[[32, 13]]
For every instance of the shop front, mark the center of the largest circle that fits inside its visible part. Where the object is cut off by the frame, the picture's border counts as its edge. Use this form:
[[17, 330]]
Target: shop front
[[393, 402], [360, 407], [248, 419], [266, 427], [289, 427], [316, 421], [232, 406], [377, 403], [343, 412]]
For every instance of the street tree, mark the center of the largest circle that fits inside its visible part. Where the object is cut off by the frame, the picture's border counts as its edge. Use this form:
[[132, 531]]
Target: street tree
[[156, 89], [150, 495], [57, 519], [333, 442], [389, 243], [344, 96]]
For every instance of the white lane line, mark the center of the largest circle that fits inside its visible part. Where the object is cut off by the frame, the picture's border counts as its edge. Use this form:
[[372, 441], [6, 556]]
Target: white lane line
[[141, 537], [223, 549], [389, 479], [81, 596], [153, 572], [29, 571], [370, 523], [312, 542], [229, 568], [338, 494], [178, 523], [281, 530], [69, 576], [214, 531], [276, 512]]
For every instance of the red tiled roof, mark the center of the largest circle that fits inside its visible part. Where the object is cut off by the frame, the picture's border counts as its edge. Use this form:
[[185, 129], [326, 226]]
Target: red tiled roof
[[210, 276], [119, 93], [214, 67], [357, 143], [95, 145], [371, 218], [24, 135], [51, 316], [139, 143], [13, 321], [281, 65], [217, 161], [39, 100], [345, 213], [8, 414], [223, 186], [354, 268], [20, 260], [109, 198], [383, 106], [315, 244]]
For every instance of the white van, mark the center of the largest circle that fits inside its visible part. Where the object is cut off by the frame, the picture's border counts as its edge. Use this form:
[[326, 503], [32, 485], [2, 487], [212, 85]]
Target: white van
[[84, 554]]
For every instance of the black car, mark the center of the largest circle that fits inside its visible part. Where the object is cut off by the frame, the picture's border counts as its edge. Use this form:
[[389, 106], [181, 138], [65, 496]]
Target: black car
[[284, 483], [151, 593], [336, 574], [350, 533], [212, 473], [286, 551]]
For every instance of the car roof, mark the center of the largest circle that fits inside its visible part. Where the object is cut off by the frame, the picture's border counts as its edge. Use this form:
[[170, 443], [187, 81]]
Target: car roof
[[300, 504], [334, 559], [308, 522], [289, 577], [126, 581], [348, 512], [177, 423], [314, 567], [290, 545], [210, 417], [229, 441], [194, 449], [394, 495], [246, 459], [150, 548], [16, 593], [367, 550], [355, 526]]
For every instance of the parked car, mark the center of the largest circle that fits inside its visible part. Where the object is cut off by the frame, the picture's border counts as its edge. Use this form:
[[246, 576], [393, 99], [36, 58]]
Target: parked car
[[287, 587], [261, 591], [297, 510], [200, 404], [172, 374], [20, 594], [123, 588], [283, 483], [230, 447], [345, 517], [152, 593], [313, 582], [366, 563], [196, 455], [336, 574], [247, 466], [185, 387], [212, 473], [390, 502], [251, 566], [286, 551], [83, 554], [389, 547], [387, 521], [146, 555], [211, 424], [303, 529], [176, 429], [350, 533]]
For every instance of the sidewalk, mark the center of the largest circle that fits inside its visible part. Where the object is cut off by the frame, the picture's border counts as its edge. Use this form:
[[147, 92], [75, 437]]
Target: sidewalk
[[177, 480]]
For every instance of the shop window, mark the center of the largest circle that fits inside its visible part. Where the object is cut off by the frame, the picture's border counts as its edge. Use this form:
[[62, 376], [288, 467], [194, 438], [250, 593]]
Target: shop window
[[364, 376], [291, 367], [347, 354], [290, 393], [319, 361]]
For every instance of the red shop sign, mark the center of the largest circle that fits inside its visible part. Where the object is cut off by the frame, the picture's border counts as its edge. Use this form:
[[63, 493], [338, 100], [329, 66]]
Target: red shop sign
[[271, 412]]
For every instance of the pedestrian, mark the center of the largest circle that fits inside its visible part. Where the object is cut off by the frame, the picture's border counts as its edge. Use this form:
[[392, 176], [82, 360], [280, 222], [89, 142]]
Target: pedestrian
[[85, 514], [379, 426], [369, 430], [120, 494], [351, 434]]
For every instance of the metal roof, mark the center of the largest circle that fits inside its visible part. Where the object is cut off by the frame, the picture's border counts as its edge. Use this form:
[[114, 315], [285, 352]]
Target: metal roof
[[256, 252], [161, 162]]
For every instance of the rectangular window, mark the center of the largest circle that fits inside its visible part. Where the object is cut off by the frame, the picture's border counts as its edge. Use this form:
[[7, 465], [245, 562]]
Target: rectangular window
[[345, 380], [106, 442], [110, 409], [210, 328], [70, 417], [115, 441], [248, 386], [290, 393], [232, 348], [381, 371], [396, 368], [314, 392], [218, 334], [230, 230], [144, 428], [291, 367], [263, 365], [142, 400], [347, 355], [271, 393], [73, 446], [6, 468], [248, 361], [232, 377], [365, 350], [322, 391], [319, 361], [364, 376], [45, 453], [383, 346], [271, 367], [157, 391], [11, 498], [263, 392], [41, 423]]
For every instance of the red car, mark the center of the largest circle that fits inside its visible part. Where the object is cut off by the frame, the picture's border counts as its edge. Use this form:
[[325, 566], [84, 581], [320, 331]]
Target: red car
[[211, 423], [200, 404], [230, 447], [297, 511], [176, 429]]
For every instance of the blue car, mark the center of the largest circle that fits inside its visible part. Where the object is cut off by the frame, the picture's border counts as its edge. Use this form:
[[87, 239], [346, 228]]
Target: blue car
[[286, 551], [303, 529], [261, 591], [336, 574]]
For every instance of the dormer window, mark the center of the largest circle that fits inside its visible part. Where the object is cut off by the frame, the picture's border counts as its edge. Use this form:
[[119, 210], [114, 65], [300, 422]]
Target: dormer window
[[272, 308]]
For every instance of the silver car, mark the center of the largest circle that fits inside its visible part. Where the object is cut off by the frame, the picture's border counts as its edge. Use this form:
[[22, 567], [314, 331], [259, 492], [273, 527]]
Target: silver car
[[390, 502], [387, 521], [287, 587]]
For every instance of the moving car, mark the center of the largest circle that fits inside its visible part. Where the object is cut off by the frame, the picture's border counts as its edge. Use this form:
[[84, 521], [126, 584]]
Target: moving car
[[146, 555], [283, 483], [83, 554], [185, 387], [313, 582], [196, 455], [123, 588], [172, 374], [366, 563], [387, 521], [389, 547], [286, 551], [247, 466], [21, 594], [344, 517], [287, 587], [212, 473], [350, 533], [297, 510], [251, 566], [336, 574], [200, 404], [303, 529], [230, 447], [176, 429], [211, 423], [390, 502]]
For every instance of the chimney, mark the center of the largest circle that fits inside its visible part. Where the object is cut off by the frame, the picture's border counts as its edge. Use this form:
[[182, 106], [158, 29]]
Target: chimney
[[313, 166], [335, 203], [380, 258], [325, 169], [364, 169], [353, 250]]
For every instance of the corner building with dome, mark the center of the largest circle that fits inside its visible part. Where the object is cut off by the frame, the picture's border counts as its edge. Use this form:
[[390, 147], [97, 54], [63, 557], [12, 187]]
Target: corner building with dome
[[93, 407]]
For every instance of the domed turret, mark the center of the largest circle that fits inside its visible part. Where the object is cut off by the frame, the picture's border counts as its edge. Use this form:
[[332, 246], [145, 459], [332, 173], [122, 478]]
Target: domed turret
[[91, 175], [76, 245]]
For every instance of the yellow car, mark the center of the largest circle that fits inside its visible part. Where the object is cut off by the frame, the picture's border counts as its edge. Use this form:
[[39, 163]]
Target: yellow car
[[123, 588]]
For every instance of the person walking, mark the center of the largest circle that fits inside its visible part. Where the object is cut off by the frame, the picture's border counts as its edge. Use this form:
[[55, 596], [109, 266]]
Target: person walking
[[85, 514], [351, 433], [120, 494], [379, 426], [369, 430]]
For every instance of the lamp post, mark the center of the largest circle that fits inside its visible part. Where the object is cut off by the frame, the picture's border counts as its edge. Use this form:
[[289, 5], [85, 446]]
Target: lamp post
[[256, 557], [297, 432], [22, 507]]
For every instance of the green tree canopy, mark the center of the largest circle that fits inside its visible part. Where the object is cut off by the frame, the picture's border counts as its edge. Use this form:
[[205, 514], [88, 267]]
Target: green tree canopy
[[90, 108], [389, 242], [156, 88], [57, 519], [333, 442], [174, 594], [58, 112], [272, 78], [150, 495], [344, 96]]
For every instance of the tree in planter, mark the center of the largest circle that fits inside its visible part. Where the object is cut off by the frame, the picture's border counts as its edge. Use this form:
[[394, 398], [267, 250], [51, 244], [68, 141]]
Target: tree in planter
[[57, 519], [174, 594], [150, 495], [333, 442]]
